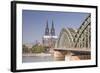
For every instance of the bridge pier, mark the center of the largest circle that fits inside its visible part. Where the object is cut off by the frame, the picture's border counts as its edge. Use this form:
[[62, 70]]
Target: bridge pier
[[67, 55], [59, 55]]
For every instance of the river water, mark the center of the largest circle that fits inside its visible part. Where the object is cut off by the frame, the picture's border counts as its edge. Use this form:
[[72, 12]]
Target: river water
[[27, 59]]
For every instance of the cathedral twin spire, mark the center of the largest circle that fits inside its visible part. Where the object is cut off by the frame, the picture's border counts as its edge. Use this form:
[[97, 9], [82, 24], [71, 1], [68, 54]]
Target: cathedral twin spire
[[50, 32], [47, 29]]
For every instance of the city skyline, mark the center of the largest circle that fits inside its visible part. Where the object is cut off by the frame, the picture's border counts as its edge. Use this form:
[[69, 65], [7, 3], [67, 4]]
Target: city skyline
[[34, 23]]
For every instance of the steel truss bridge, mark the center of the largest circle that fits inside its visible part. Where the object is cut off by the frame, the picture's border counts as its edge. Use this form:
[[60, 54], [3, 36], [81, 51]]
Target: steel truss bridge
[[76, 40]]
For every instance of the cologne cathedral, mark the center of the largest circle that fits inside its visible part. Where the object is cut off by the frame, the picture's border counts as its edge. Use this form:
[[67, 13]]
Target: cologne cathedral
[[49, 38]]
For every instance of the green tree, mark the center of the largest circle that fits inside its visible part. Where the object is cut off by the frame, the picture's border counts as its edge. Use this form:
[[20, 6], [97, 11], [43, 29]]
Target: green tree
[[25, 49], [37, 49]]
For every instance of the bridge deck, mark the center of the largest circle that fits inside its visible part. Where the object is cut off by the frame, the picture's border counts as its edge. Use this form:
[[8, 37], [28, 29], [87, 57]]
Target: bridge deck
[[74, 49]]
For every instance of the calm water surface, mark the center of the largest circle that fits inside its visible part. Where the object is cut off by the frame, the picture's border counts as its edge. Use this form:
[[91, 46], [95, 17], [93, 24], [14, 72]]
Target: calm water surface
[[36, 59]]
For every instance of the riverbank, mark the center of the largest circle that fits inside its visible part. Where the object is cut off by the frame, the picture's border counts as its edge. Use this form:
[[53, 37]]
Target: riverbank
[[36, 54]]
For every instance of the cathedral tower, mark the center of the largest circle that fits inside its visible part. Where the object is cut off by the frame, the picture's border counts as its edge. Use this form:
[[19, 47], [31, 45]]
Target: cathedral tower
[[52, 30], [47, 30], [49, 38]]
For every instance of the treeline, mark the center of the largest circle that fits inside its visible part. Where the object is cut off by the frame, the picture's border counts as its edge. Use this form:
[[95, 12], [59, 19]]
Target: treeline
[[35, 49]]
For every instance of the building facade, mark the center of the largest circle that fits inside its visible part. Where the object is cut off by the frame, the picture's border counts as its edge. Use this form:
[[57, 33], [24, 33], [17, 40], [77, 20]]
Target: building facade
[[49, 37]]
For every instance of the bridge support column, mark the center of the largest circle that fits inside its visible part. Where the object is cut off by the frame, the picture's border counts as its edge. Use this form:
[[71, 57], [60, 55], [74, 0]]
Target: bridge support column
[[59, 55], [68, 56]]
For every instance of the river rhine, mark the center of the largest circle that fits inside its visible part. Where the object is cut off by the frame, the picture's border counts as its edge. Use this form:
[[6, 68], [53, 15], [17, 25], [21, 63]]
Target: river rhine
[[33, 58]]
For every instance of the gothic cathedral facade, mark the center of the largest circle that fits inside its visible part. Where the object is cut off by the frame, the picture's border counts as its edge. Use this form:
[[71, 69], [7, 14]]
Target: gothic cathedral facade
[[49, 38]]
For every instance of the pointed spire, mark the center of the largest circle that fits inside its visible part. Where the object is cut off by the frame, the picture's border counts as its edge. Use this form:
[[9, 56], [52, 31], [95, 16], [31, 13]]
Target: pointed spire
[[47, 29], [52, 29], [47, 24], [52, 25]]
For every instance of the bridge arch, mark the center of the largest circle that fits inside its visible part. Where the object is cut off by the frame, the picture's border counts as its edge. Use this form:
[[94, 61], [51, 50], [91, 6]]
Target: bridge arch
[[83, 36], [66, 37], [80, 38], [77, 42]]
